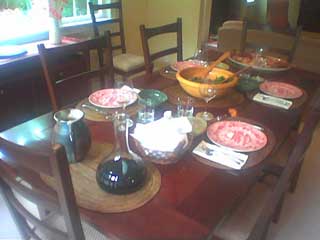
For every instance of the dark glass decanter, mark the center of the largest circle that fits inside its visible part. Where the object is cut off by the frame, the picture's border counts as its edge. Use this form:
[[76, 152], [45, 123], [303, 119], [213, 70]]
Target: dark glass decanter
[[122, 171]]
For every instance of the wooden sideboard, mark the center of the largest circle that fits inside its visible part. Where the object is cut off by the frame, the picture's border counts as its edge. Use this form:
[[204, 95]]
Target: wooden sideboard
[[23, 91]]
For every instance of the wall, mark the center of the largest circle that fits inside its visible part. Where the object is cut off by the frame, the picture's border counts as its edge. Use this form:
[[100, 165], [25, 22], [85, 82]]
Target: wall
[[134, 14], [294, 7], [167, 11]]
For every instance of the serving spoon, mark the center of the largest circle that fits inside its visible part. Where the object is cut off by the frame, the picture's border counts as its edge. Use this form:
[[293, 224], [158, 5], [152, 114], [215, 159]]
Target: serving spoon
[[236, 74], [207, 70]]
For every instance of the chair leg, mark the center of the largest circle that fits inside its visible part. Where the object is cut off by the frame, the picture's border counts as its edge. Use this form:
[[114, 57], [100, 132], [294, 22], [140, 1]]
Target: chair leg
[[295, 178], [277, 212], [17, 218]]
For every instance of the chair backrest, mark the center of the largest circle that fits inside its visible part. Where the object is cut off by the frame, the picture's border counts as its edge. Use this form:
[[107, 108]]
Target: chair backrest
[[295, 158], [147, 33], [79, 81], [289, 52], [116, 18], [18, 162]]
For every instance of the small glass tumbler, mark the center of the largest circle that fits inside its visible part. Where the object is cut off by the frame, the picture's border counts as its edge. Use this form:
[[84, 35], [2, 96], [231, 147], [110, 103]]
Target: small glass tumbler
[[185, 107], [146, 114]]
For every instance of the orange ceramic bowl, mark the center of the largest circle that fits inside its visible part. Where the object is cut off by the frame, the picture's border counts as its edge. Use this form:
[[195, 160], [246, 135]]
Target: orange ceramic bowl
[[193, 88]]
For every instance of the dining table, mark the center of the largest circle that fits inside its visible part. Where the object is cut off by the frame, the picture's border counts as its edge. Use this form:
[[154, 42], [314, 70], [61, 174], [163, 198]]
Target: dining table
[[193, 196]]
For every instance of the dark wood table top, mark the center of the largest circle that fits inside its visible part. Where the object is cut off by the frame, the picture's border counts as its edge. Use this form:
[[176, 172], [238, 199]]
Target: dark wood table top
[[193, 196]]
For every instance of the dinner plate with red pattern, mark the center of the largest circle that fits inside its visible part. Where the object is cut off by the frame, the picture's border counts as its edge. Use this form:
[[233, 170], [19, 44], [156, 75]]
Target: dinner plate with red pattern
[[178, 66], [281, 90], [237, 135], [112, 98]]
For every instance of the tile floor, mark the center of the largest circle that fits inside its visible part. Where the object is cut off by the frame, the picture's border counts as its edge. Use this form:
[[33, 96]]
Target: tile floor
[[300, 219]]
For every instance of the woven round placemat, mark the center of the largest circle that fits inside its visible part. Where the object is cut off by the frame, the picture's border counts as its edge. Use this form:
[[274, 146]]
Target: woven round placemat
[[234, 98], [100, 117], [90, 196]]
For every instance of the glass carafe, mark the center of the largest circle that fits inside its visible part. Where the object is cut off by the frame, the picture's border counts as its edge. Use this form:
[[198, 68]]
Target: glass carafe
[[122, 171]]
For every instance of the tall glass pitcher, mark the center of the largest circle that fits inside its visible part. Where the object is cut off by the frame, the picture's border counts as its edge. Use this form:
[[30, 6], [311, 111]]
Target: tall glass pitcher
[[122, 171], [71, 131]]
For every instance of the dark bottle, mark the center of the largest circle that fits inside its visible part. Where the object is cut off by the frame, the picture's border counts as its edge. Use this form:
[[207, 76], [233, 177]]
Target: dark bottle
[[122, 171]]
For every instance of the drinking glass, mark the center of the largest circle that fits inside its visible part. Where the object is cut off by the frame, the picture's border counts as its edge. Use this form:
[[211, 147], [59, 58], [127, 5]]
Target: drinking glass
[[207, 92], [146, 114], [201, 55], [185, 107], [259, 59], [124, 98]]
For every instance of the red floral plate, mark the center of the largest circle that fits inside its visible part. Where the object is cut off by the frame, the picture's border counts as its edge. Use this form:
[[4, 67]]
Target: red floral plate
[[236, 135], [112, 98], [281, 90], [178, 66]]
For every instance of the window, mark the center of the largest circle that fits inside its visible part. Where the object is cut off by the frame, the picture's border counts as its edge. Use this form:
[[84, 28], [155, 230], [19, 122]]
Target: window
[[22, 18], [28, 20], [77, 11]]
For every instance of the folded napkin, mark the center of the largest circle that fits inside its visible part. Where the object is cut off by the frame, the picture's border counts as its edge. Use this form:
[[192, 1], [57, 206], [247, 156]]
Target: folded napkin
[[127, 88], [164, 134], [221, 155], [274, 101]]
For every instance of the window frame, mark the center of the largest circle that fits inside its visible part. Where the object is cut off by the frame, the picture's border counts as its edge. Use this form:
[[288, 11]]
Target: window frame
[[84, 19]]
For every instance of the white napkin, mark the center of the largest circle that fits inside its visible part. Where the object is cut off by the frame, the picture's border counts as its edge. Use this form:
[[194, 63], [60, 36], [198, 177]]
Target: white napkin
[[164, 134], [127, 88], [221, 155], [274, 101]]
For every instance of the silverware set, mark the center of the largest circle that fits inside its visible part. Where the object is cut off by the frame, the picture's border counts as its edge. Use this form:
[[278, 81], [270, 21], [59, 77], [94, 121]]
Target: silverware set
[[208, 151]]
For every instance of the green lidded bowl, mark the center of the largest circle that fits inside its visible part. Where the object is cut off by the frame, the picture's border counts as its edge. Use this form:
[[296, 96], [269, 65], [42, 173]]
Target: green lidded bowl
[[249, 83], [157, 97]]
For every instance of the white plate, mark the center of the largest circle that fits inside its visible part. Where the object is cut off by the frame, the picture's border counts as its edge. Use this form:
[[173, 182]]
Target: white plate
[[111, 98], [237, 135], [11, 51]]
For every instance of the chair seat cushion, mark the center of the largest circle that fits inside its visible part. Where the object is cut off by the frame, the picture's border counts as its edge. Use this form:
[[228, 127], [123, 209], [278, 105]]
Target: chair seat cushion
[[240, 222], [127, 62]]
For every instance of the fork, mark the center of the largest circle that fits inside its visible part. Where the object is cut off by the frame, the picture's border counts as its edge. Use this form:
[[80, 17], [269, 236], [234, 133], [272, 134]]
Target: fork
[[210, 152]]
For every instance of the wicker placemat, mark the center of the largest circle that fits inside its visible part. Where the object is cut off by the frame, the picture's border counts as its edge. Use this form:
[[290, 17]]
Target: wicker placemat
[[296, 103], [233, 98], [90, 196], [100, 117]]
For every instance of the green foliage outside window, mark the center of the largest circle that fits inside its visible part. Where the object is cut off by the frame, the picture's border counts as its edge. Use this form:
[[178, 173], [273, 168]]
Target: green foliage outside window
[[81, 8], [68, 11], [24, 5]]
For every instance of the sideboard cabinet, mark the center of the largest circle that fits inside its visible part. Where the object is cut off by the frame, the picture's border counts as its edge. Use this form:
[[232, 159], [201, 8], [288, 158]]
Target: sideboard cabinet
[[23, 91]]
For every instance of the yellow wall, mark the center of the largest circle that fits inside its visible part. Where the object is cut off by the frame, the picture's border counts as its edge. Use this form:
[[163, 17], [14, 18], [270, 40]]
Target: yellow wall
[[294, 8], [167, 11], [134, 14], [158, 12]]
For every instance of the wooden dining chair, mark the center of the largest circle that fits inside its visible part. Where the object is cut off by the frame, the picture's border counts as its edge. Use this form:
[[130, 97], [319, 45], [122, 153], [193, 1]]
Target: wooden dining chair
[[20, 182], [250, 220], [68, 89], [148, 33], [125, 64], [288, 52]]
